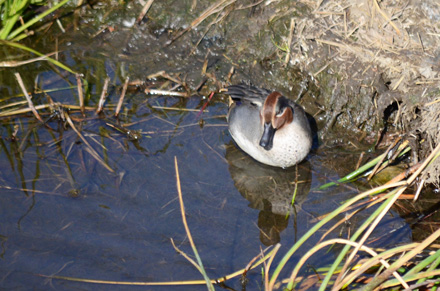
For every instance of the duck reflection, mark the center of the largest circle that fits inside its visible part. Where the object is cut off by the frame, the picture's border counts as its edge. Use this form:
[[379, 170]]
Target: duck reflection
[[269, 190]]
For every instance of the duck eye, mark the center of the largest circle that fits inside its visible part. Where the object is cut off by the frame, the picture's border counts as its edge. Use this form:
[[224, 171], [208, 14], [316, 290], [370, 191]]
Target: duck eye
[[280, 111]]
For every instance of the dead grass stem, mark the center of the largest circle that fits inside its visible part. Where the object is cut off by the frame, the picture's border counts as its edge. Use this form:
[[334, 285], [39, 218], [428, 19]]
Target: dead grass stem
[[121, 98], [103, 96], [144, 11], [28, 98]]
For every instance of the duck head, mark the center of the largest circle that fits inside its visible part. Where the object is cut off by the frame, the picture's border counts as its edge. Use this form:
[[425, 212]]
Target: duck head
[[275, 114]]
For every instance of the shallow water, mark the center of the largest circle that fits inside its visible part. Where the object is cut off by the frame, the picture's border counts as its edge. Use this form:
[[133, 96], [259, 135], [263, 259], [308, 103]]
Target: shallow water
[[64, 213], [118, 225]]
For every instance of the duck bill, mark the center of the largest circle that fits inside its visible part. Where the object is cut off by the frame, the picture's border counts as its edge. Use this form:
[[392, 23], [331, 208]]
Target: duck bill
[[266, 140]]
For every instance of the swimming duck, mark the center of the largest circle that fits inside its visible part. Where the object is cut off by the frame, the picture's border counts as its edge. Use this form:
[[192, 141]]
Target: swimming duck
[[268, 126]]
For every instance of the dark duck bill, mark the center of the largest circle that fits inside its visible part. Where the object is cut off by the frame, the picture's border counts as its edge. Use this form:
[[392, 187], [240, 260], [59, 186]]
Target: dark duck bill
[[275, 113]]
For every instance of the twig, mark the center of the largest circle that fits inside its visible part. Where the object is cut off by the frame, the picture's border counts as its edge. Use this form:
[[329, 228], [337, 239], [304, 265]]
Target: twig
[[386, 17], [421, 42], [90, 149], [166, 93], [144, 11], [80, 92], [251, 264], [405, 174], [205, 63], [322, 69], [176, 108], [419, 189], [56, 48], [361, 156], [230, 74], [164, 75], [174, 283], [422, 284], [398, 82], [216, 7], [28, 98], [250, 5], [103, 96], [121, 99], [12, 64], [289, 41], [38, 107], [204, 105]]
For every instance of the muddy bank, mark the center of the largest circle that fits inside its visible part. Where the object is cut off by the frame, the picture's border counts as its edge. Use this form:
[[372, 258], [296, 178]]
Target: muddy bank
[[366, 67]]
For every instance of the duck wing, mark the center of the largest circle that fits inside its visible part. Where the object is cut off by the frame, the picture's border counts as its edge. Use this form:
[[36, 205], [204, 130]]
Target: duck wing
[[248, 93]]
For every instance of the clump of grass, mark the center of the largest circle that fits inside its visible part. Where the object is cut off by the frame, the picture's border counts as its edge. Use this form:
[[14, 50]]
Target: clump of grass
[[12, 11], [341, 272], [15, 12]]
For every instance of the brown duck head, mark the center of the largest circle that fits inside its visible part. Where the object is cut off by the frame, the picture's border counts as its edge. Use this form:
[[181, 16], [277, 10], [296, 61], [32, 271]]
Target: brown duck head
[[275, 114]]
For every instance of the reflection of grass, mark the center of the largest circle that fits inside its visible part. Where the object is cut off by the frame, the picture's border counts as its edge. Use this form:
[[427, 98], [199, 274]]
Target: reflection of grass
[[262, 258], [402, 255]]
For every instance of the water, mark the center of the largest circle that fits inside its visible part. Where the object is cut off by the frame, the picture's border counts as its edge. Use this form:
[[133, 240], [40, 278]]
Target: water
[[63, 213], [88, 222]]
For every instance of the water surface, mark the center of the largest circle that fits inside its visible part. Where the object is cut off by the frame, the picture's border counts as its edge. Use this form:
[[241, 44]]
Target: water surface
[[62, 212]]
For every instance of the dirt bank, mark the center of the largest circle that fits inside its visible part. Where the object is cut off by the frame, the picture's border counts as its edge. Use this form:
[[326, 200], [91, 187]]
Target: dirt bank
[[370, 68]]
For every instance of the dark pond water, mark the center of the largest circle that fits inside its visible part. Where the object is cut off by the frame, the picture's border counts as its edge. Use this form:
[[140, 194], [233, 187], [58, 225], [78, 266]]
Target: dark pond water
[[62, 212]]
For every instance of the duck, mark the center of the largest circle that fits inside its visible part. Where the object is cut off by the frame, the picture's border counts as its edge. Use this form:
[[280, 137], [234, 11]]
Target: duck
[[268, 126]]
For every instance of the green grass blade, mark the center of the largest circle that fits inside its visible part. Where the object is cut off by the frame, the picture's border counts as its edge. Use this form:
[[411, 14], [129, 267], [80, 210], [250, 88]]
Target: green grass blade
[[8, 26], [361, 170], [359, 231], [307, 235], [49, 59], [423, 264]]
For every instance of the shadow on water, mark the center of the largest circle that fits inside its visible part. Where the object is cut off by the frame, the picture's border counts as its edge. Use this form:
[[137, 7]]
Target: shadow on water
[[62, 212]]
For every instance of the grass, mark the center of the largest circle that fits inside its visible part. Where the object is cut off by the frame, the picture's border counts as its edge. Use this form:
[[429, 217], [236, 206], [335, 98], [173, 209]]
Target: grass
[[12, 30], [341, 275], [14, 10]]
